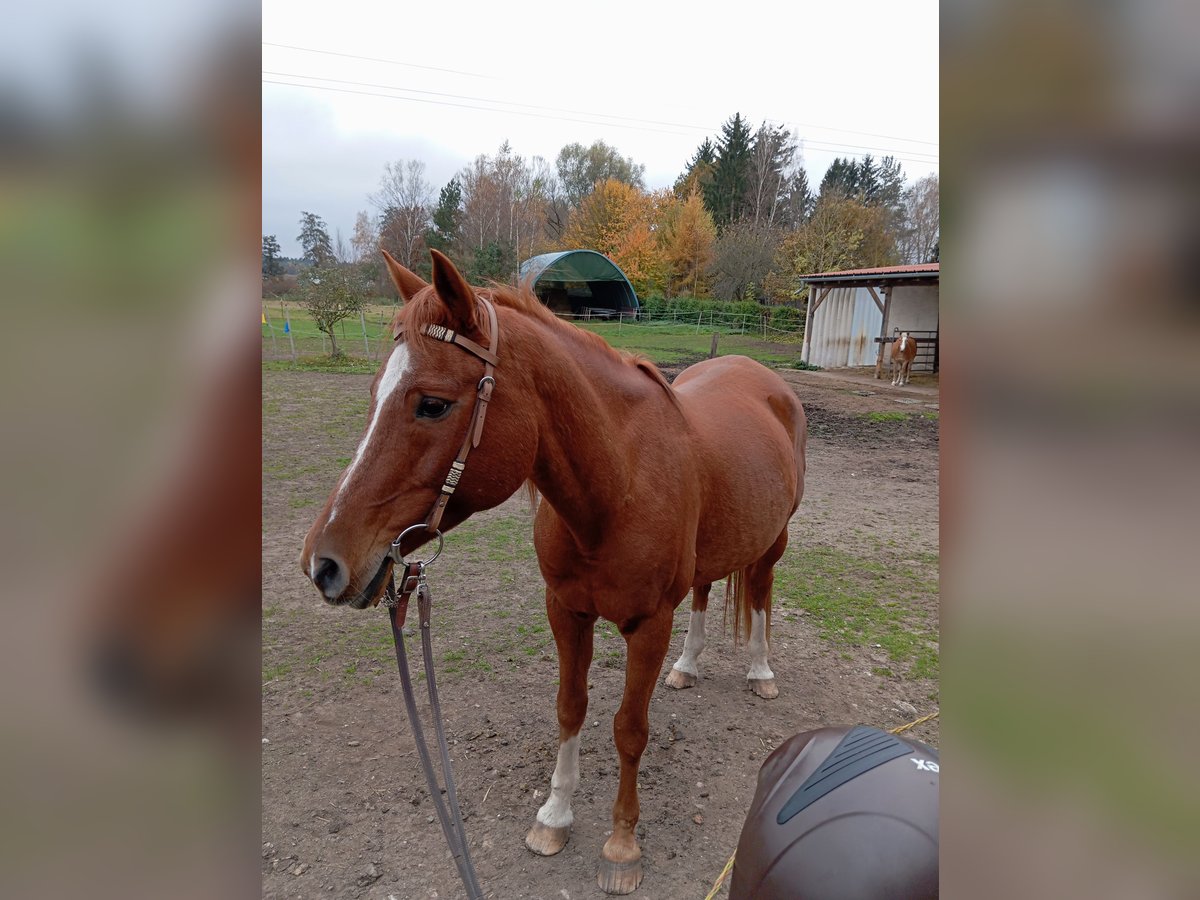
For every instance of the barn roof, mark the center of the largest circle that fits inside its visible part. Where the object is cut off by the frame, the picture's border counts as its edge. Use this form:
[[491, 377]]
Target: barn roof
[[922, 271]]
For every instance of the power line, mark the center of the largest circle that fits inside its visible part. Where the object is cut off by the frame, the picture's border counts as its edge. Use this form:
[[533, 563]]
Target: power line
[[390, 62], [511, 112], [705, 129], [828, 146], [392, 87]]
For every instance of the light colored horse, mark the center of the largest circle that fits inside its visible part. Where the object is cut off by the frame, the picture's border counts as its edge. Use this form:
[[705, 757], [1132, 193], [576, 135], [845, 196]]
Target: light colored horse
[[649, 491], [904, 351]]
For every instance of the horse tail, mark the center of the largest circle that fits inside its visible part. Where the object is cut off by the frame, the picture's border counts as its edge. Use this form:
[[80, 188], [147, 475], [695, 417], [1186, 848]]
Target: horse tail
[[736, 593], [534, 496]]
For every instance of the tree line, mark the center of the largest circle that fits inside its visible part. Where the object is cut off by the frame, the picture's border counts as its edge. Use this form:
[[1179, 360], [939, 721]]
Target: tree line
[[741, 221]]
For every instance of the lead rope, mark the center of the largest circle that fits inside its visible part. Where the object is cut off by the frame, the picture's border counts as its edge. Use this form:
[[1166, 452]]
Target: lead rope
[[397, 605], [451, 820]]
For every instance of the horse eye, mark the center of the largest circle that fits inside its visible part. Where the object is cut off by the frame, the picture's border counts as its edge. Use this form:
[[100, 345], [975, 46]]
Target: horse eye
[[432, 408]]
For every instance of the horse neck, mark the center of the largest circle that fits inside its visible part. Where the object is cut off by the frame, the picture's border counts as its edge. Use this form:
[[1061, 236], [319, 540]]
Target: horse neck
[[585, 398]]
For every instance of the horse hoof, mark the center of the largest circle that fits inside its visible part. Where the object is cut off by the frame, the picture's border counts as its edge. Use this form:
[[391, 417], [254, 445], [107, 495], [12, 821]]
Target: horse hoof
[[764, 687], [619, 878], [680, 680], [546, 841]]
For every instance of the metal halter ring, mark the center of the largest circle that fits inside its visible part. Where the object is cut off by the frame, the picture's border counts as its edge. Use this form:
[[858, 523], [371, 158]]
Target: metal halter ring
[[486, 378], [395, 551]]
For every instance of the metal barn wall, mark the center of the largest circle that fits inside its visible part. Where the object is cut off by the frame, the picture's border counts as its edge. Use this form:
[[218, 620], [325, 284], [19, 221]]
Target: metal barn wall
[[914, 308], [844, 329]]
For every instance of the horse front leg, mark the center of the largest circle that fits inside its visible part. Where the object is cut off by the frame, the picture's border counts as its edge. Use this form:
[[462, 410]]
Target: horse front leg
[[686, 672], [573, 636], [646, 647]]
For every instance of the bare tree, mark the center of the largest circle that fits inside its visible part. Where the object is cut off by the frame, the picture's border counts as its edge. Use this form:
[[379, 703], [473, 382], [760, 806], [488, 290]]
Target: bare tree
[[404, 201], [773, 164], [365, 240], [922, 221]]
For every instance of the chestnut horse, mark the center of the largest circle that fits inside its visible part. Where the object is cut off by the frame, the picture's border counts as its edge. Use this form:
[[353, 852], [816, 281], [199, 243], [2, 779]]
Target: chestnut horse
[[904, 351], [649, 491]]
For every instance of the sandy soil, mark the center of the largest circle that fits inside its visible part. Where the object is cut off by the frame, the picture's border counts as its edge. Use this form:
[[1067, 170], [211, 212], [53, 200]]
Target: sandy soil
[[345, 809]]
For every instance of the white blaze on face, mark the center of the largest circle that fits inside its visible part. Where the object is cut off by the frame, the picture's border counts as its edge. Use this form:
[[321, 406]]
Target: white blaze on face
[[758, 646], [903, 339], [556, 811], [393, 374]]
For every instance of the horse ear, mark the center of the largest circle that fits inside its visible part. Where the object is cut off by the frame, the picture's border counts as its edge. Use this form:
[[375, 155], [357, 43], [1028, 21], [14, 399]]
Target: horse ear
[[406, 282], [454, 292]]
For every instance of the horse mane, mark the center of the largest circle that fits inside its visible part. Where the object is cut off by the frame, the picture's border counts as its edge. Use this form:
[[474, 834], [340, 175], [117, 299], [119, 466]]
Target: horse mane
[[426, 309]]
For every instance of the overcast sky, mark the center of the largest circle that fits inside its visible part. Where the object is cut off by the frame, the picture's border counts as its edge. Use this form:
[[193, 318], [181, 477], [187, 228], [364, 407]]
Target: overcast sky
[[651, 79]]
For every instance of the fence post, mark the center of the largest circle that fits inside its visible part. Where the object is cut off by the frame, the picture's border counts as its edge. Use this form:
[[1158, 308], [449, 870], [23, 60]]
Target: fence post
[[698, 318], [362, 317], [288, 322], [712, 351], [271, 328]]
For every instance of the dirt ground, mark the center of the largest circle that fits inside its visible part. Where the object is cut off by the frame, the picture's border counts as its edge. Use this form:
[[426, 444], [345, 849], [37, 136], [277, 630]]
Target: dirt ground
[[344, 806]]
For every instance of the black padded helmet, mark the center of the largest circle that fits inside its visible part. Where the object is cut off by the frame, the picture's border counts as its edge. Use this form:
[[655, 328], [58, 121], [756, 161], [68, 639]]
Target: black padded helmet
[[847, 813]]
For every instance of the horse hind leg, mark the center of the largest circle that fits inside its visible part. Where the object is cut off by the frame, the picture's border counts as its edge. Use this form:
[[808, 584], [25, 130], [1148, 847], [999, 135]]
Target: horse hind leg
[[686, 672], [573, 636], [757, 582]]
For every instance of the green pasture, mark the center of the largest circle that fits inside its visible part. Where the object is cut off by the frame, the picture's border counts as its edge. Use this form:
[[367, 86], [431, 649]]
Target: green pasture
[[665, 343]]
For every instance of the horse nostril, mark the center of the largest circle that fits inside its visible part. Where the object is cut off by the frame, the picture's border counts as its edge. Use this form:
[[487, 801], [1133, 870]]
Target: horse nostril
[[327, 576]]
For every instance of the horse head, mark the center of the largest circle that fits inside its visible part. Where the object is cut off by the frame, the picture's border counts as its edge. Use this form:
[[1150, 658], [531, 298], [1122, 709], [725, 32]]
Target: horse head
[[423, 403]]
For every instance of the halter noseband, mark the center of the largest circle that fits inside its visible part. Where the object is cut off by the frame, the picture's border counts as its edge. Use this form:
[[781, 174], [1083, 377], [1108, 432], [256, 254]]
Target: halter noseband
[[474, 431]]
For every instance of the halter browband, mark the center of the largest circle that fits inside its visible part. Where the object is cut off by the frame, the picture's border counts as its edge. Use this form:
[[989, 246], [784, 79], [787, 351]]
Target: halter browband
[[483, 394]]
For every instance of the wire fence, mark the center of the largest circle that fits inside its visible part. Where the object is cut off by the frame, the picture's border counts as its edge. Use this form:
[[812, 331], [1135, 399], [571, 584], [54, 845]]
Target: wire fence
[[711, 319], [288, 332]]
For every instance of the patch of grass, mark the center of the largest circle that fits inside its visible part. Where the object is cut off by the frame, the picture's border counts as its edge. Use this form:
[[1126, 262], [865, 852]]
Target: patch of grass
[[352, 668], [860, 602], [882, 672], [270, 612], [886, 417], [670, 343], [275, 671], [300, 502]]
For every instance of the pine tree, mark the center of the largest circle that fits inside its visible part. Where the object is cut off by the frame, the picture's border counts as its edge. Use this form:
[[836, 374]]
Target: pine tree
[[868, 180], [270, 257], [726, 195], [314, 239], [841, 179], [699, 172], [446, 217]]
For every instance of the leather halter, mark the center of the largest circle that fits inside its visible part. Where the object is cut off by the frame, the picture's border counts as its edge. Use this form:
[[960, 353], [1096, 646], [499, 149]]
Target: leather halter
[[474, 433]]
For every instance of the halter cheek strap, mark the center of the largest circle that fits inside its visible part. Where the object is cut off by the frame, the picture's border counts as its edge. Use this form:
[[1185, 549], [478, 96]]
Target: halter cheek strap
[[482, 395]]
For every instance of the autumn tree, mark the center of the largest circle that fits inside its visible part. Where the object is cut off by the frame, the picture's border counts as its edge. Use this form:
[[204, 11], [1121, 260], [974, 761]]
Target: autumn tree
[[616, 219], [841, 234], [270, 257], [687, 238], [314, 240], [403, 200]]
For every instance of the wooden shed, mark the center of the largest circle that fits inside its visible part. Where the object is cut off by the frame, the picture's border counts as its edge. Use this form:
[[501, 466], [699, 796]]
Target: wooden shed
[[853, 314]]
